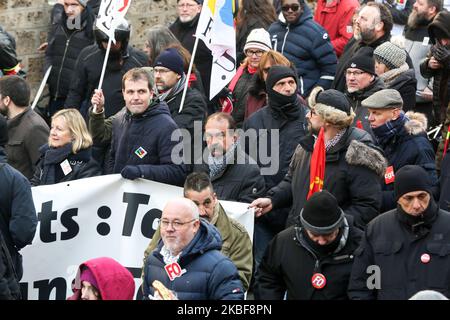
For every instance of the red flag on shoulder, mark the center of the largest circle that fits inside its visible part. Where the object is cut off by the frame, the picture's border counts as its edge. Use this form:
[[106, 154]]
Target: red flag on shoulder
[[317, 166]]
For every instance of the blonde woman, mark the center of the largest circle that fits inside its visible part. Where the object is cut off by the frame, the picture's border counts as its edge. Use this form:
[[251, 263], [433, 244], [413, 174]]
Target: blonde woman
[[67, 155]]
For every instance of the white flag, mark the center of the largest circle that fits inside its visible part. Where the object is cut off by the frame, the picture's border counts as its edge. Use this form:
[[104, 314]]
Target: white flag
[[216, 29], [110, 14]]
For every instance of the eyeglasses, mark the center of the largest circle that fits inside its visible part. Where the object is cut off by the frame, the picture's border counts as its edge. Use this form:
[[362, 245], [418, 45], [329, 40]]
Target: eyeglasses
[[355, 73], [294, 7], [175, 224], [312, 112], [266, 70], [161, 71], [187, 5], [258, 53]]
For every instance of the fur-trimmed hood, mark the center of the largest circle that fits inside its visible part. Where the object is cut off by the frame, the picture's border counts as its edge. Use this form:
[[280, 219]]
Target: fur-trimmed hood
[[360, 154], [416, 124]]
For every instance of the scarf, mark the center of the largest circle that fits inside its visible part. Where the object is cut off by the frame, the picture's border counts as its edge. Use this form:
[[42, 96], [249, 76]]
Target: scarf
[[284, 107], [393, 74], [334, 141], [171, 94], [419, 225], [217, 165], [385, 132]]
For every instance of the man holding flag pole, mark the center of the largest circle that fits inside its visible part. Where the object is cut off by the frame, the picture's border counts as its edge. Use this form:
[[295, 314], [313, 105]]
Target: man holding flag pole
[[350, 168], [217, 31]]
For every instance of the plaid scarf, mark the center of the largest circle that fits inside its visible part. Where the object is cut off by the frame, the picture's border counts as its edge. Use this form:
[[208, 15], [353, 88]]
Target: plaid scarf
[[385, 132], [217, 165], [331, 143]]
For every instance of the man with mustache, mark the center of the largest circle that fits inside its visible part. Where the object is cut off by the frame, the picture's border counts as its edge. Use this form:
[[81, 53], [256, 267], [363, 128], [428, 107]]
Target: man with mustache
[[234, 175]]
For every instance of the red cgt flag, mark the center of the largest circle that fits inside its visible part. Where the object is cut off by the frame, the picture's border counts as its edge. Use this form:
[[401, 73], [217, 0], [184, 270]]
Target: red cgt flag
[[317, 166]]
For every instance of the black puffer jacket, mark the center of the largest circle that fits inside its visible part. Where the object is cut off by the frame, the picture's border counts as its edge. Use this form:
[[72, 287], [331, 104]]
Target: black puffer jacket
[[290, 262], [49, 168], [64, 47], [9, 284], [353, 169]]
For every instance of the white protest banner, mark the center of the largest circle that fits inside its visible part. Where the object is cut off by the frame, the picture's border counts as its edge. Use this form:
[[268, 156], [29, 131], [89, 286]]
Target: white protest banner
[[105, 216]]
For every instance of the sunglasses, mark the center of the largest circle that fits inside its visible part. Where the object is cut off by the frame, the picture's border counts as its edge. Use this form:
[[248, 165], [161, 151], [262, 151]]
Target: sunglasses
[[294, 7]]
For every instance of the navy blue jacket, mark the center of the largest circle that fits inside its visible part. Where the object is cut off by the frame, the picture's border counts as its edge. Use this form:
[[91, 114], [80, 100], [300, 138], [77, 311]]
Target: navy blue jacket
[[18, 218], [409, 147], [209, 274], [148, 134], [307, 45]]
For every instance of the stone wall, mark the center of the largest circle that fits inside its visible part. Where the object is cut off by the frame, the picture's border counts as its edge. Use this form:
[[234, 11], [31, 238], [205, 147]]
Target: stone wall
[[28, 21]]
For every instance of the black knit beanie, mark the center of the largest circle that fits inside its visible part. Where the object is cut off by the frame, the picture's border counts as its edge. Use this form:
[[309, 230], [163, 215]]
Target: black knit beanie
[[363, 60], [170, 59], [3, 131], [411, 178], [321, 213], [276, 73]]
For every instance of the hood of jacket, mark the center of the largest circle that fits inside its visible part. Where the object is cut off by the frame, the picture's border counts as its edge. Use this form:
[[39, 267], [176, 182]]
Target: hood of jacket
[[363, 152], [306, 15], [416, 124]]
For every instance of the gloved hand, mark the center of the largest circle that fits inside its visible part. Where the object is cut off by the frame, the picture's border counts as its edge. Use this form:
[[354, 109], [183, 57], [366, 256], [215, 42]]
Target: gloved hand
[[131, 172], [442, 54]]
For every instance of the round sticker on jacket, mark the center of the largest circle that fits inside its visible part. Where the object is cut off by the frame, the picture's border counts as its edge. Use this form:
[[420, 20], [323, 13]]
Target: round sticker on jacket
[[425, 258], [318, 280]]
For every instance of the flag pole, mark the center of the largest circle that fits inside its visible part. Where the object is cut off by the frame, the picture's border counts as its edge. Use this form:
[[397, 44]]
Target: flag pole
[[102, 75], [194, 50]]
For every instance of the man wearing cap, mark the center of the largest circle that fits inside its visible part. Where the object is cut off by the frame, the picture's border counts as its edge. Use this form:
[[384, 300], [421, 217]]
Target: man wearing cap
[[184, 28], [402, 137], [404, 250], [18, 219], [286, 114], [312, 259], [170, 81], [140, 134], [353, 166], [306, 44], [258, 42], [361, 82], [70, 33], [391, 67]]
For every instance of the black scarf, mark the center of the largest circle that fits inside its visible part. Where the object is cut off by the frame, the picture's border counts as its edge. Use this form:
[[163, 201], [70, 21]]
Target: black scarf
[[419, 225], [284, 107], [322, 250]]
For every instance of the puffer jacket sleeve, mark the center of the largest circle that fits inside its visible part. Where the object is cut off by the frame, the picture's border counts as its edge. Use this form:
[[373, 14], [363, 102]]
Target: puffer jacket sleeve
[[23, 222], [224, 282], [325, 56]]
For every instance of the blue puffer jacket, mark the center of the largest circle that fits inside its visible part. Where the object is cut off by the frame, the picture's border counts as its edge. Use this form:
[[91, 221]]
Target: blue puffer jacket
[[144, 140], [308, 46], [209, 274]]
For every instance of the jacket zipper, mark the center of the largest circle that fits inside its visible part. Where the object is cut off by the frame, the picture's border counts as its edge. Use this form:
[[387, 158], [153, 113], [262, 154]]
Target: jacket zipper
[[62, 62], [284, 40]]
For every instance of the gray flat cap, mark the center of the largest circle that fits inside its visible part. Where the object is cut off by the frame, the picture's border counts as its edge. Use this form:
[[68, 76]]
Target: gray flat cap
[[384, 99]]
